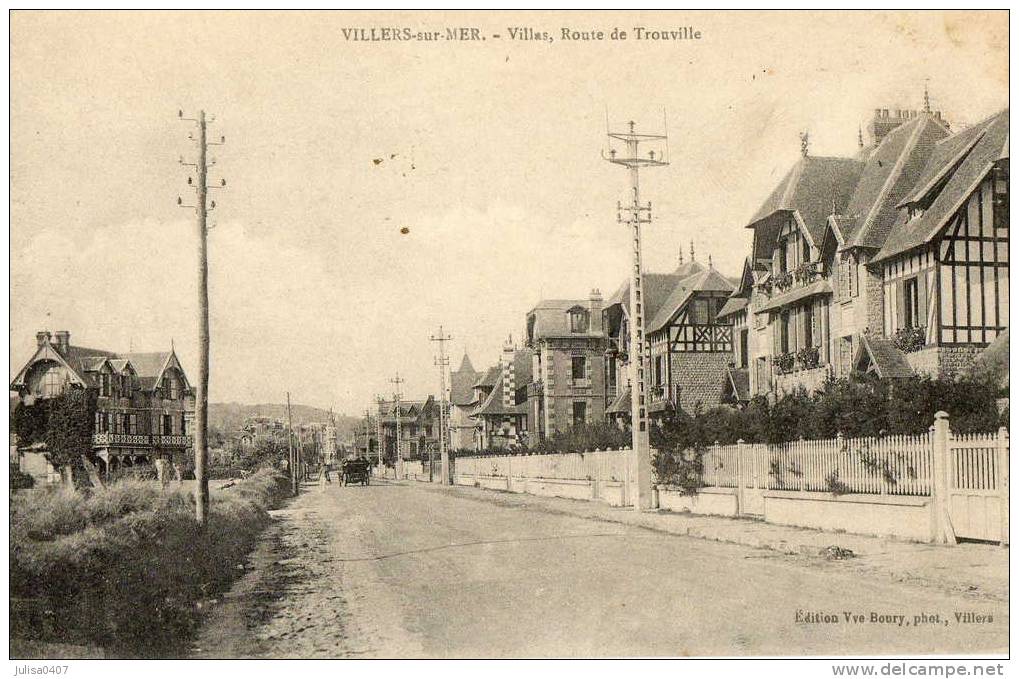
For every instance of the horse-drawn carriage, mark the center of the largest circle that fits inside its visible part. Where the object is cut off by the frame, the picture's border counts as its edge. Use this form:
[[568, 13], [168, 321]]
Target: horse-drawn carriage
[[356, 471]]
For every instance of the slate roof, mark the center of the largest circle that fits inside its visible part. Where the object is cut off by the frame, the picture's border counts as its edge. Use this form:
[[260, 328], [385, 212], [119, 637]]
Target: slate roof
[[83, 360], [657, 288], [887, 359], [461, 383], [732, 305], [493, 405], [621, 404], [980, 148], [706, 281], [148, 366], [551, 319], [488, 378], [889, 175], [810, 189]]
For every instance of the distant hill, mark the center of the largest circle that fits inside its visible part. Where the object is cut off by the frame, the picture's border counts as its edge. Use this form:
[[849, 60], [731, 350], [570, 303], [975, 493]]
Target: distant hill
[[228, 417]]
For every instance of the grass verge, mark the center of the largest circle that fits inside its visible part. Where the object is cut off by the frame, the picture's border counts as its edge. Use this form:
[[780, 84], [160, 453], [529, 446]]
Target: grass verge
[[127, 567]]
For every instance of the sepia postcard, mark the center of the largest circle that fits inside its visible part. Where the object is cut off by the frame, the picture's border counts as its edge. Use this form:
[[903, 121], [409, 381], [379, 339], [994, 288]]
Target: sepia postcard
[[509, 334]]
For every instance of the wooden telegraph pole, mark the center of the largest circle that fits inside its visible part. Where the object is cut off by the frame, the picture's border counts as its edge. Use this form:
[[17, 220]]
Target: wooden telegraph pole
[[635, 214], [442, 361], [397, 381], [202, 388], [291, 457]]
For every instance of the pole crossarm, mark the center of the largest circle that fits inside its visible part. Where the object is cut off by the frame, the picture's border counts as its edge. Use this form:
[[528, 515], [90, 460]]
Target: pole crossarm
[[634, 215]]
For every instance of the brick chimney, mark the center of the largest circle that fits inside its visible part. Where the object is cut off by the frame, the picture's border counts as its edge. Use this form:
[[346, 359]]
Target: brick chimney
[[884, 121], [42, 337], [509, 385], [62, 338], [594, 306]]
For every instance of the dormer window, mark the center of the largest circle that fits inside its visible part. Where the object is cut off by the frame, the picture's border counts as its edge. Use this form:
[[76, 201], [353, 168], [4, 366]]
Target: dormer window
[[579, 320]]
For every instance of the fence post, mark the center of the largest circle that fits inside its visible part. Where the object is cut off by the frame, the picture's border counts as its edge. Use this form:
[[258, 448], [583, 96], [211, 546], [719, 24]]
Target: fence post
[[740, 450], [940, 452], [1002, 463]]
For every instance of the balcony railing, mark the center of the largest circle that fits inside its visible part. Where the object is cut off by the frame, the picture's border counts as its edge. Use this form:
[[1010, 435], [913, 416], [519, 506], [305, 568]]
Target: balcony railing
[[105, 439], [111, 439], [804, 274], [171, 440]]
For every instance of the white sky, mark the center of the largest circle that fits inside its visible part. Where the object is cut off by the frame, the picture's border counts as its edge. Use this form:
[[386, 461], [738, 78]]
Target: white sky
[[497, 173]]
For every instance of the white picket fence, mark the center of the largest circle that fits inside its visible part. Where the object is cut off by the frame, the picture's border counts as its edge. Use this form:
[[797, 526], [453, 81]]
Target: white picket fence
[[965, 476], [893, 465]]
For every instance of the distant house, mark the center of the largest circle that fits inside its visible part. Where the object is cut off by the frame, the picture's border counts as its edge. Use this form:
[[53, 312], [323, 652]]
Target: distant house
[[690, 344], [145, 402], [567, 342], [416, 423], [463, 425], [502, 415]]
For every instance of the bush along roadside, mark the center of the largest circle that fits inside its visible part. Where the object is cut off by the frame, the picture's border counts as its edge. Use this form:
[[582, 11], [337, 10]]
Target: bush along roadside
[[127, 568]]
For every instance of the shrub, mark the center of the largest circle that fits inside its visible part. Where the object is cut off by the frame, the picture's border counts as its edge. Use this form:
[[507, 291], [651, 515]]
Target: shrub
[[124, 568], [19, 480], [584, 437], [908, 340]]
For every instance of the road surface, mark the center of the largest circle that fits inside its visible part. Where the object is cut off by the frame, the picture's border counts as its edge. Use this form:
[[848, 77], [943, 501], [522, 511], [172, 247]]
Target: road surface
[[407, 570]]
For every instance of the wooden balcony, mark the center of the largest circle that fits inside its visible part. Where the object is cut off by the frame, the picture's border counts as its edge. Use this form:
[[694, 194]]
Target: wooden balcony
[[171, 440], [110, 440]]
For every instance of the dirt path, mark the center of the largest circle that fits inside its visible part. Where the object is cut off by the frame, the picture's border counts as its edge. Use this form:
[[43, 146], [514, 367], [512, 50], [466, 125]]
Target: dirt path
[[301, 599]]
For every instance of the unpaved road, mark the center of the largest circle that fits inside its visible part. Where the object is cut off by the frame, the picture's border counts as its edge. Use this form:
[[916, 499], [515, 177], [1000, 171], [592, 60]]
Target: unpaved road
[[405, 570]]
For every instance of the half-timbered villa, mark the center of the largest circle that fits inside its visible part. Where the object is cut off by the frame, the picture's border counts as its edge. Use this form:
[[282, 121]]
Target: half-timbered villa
[[145, 403], [892, 261]]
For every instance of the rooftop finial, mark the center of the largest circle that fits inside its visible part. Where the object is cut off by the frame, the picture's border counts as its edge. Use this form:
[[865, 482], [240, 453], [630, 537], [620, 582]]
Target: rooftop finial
[[681, 258], [693, 257], [926, 97], [804, 143], [710, 265], [859, 135]]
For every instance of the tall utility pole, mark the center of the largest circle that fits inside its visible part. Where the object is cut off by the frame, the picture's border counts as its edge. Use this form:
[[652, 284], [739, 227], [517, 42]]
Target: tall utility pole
[[397, 381], [367, 432], [379, 430], [442, 361], [201, 187], [292, 457], [636, 214]]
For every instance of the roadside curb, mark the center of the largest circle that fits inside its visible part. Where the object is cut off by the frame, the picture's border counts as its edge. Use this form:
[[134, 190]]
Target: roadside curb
[[898, 560]]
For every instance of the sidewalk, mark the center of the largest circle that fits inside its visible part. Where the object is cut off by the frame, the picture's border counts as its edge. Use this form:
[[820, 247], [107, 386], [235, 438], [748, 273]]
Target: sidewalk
[[978, 570]]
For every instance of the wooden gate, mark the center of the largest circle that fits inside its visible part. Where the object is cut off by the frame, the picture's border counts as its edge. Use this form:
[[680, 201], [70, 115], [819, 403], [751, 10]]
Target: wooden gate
[[978, 485]]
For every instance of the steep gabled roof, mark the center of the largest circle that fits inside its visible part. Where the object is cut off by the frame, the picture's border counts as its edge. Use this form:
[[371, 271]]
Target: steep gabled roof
[[962, 176], [814, 188], [657, 288], [889, 175], [488, 378], [522, 369], [882, 356], [707, 281], [621, 404], [465, 365]]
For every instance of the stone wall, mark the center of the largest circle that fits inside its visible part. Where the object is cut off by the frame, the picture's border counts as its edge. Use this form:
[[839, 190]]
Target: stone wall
[[942, 361]]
